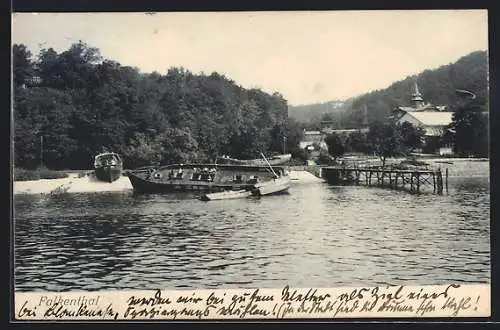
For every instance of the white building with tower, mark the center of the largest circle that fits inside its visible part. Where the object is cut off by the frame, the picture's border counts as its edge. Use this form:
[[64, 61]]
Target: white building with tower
[[434, 119]]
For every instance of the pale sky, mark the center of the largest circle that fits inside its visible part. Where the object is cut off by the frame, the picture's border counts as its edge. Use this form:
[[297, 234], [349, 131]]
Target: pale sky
[[308, 57]]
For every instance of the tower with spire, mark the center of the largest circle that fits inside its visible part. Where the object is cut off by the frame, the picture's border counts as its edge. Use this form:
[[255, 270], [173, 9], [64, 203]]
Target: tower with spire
[[416, 99]]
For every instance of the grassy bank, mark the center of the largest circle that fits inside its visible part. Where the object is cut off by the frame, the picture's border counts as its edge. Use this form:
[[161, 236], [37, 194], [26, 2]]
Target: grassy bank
[[21, 174]]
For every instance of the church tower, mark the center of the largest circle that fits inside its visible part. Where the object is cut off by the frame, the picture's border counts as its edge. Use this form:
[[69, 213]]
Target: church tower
[[416, 99]]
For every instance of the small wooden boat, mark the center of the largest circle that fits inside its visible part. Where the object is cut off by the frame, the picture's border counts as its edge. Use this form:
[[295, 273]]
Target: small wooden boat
[[108, 166], [275, 186], [279, 184], [274, 160], [227, 194]]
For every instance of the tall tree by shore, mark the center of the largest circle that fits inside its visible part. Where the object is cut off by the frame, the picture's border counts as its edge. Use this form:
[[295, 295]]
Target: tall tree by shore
[[470, 130]]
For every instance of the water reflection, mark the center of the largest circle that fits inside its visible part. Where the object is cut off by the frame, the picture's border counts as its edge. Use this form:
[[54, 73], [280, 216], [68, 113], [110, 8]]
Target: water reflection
[[318, 235]]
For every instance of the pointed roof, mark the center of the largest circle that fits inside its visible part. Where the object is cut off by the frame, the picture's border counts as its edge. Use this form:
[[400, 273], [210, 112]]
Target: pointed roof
[[416, 96]]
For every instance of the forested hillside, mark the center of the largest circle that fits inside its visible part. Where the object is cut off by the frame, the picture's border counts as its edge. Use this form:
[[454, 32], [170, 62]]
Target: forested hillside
[[437, 87], [82, 105], [315, 112]]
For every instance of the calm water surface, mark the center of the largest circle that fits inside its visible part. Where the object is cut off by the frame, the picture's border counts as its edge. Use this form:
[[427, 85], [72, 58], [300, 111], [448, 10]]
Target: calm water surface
[[317, 235]]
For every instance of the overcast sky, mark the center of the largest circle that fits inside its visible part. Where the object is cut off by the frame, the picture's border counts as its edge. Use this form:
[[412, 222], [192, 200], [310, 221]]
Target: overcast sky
[[306, 56]]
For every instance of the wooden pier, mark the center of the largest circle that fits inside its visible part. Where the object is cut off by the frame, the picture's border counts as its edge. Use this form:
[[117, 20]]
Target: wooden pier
[[412, 180]]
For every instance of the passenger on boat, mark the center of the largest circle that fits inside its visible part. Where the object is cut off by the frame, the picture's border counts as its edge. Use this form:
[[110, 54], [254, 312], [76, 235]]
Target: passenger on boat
[[238, 179], [196, 174], [212, 174], [253, 179]]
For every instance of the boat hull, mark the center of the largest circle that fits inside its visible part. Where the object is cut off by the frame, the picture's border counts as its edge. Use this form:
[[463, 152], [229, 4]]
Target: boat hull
[[230, 194], [276, 186], [108, 173], [108, 166], [180, 178], [145, 186], [273, 161]]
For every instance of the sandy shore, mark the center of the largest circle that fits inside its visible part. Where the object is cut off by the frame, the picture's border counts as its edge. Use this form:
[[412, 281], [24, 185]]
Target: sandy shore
[[304, 177], [71, 184], [89, 184]]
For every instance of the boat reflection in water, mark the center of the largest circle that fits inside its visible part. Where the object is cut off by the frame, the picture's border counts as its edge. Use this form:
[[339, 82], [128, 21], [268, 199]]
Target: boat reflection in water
[[236, 180]]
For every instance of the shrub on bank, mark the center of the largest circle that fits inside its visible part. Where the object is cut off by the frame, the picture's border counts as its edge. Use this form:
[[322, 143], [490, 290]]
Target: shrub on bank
[[21, 174], [49, 174], [82, 174]]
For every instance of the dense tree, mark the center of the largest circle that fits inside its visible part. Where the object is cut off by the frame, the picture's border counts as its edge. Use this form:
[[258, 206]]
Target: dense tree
[[358, 142], [386, 140], [22, 65], [294, 132], [335, 143], [412, 136], [42, 119], [470, 131], [86, 105]]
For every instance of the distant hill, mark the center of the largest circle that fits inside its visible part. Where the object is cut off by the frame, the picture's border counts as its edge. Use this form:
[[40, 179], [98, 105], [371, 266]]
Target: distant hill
[[437, 87], [312, 112]]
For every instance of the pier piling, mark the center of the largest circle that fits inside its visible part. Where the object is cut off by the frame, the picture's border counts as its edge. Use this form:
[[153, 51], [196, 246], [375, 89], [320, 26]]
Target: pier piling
[[414, 180], [446, 180]]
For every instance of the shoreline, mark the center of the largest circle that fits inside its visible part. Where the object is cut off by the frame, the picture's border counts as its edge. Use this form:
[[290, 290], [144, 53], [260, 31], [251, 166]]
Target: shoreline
[[71, 184], [89, 184], [298, 174]]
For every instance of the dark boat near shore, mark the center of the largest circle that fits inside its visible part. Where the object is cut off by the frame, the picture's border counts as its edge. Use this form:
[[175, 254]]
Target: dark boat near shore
[[202, 177], [108, 166], [274, 160]]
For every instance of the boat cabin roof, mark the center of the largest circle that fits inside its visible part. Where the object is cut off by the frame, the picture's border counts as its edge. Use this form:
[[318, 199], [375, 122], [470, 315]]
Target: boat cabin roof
[[230, 167], [107, 155]]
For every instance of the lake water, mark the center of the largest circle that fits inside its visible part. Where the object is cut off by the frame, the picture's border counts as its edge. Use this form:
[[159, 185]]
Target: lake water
[[317, 235]]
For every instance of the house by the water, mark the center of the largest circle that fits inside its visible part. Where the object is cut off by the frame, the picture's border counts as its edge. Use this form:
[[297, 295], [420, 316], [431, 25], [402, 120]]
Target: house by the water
[[312, 139], [313, 142], [434, 119]]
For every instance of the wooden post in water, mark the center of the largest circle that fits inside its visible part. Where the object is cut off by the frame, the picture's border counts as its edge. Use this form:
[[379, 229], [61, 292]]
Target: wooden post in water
[[434, 181], [446, 179], [41, 150], [418, 182], [439, 181]]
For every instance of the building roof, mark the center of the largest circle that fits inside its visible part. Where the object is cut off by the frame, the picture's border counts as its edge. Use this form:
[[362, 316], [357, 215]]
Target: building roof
[[407, 109], [433, 118], [350, 130], [426, 107], [312, 133], [305, 144]]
